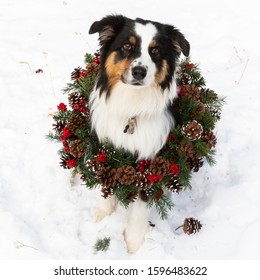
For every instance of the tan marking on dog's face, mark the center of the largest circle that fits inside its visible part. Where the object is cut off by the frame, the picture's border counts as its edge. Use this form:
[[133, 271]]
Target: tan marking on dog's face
[[153, 43], [161, 75], [115, 70], [133, 40]]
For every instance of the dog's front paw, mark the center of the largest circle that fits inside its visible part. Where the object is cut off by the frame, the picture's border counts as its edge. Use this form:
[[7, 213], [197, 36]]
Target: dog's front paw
[[100, 214], [105, 208], [133, 241]]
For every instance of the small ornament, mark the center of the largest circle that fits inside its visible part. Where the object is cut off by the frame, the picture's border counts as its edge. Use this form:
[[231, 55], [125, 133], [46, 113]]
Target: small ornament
[[153, 178], [190, 226], [102, 157], [180, 91], [71, 163], [193, 130], [143, 165], [174, 169], [66, 133], [97, 60], [189, 65]]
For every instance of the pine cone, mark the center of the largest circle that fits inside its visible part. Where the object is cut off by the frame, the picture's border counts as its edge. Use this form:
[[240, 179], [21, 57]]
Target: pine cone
[[92, 68], [187, 148], [58, 126], [107, 191], [75, 75], [126, 175], [191, 225], [195, 164], [210, 139], [193, 130], [64, 159], [132, 196], [215, 113], [159, 166], [144, 186], [201, 107], [107, 177], [75, 121], [158, 195], [93, 165], [77, 148], [74, 98], [174, 185], [192, 92]]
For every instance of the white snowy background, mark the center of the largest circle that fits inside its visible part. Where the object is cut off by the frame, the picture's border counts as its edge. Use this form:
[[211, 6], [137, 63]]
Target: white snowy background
[[43, 215]]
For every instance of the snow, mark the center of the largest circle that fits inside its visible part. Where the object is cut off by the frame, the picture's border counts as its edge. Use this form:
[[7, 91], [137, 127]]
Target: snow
[[44, 213]]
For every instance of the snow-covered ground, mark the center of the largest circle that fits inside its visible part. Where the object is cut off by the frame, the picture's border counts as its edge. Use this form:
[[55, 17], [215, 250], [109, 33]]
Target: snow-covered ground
[[43, 215]]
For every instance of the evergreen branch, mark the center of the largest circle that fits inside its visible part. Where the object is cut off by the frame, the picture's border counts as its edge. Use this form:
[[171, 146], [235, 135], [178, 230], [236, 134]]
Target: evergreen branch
[[163, 205], [102, 244]]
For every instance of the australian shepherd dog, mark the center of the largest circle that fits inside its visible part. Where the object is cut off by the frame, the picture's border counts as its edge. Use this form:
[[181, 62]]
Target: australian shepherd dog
[[131, 101]]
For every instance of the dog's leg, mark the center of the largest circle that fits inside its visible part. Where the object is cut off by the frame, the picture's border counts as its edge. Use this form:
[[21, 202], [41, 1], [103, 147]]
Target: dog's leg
[[137, 225], [106, 206]]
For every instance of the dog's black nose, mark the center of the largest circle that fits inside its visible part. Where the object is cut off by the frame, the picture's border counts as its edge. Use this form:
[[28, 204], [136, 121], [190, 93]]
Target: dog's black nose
[[139, 73]]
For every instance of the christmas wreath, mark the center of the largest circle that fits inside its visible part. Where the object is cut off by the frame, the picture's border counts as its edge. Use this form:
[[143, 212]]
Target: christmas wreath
[[190, 143]]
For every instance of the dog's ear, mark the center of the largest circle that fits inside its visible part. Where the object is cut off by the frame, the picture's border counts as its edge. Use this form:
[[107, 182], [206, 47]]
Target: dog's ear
[[107, 27], [179, 41]]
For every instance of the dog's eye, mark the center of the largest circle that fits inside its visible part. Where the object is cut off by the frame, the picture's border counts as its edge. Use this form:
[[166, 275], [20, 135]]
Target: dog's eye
[[127, 47], [154, 50]]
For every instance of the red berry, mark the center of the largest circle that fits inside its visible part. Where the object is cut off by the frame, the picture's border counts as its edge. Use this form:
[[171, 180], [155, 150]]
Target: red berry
[[62, 107]]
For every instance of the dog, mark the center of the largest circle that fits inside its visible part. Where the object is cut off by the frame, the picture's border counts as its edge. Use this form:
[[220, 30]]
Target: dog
[[131, 102]]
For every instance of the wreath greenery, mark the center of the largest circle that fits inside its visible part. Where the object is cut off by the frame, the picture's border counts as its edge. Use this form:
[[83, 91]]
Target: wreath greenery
[[190, 143]]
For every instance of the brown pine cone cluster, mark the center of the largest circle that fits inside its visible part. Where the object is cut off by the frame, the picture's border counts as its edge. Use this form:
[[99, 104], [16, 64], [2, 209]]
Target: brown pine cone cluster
[[75, 75], [106, 177], [191, 226], [195, 164], [77, 148], [92, 68], [74, 98], [126, 175], [93, 165], [160, 166], [58, 126], [187, 148], [174, 185], [75, 121], [193, 130], [210, 139], [192, 91]]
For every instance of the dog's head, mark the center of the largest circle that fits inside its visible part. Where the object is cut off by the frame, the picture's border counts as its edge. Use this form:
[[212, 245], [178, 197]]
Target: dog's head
[[137, 52]]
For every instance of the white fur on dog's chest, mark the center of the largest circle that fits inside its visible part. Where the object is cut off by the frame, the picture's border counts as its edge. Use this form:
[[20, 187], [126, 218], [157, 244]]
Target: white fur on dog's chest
[[149, 108]]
